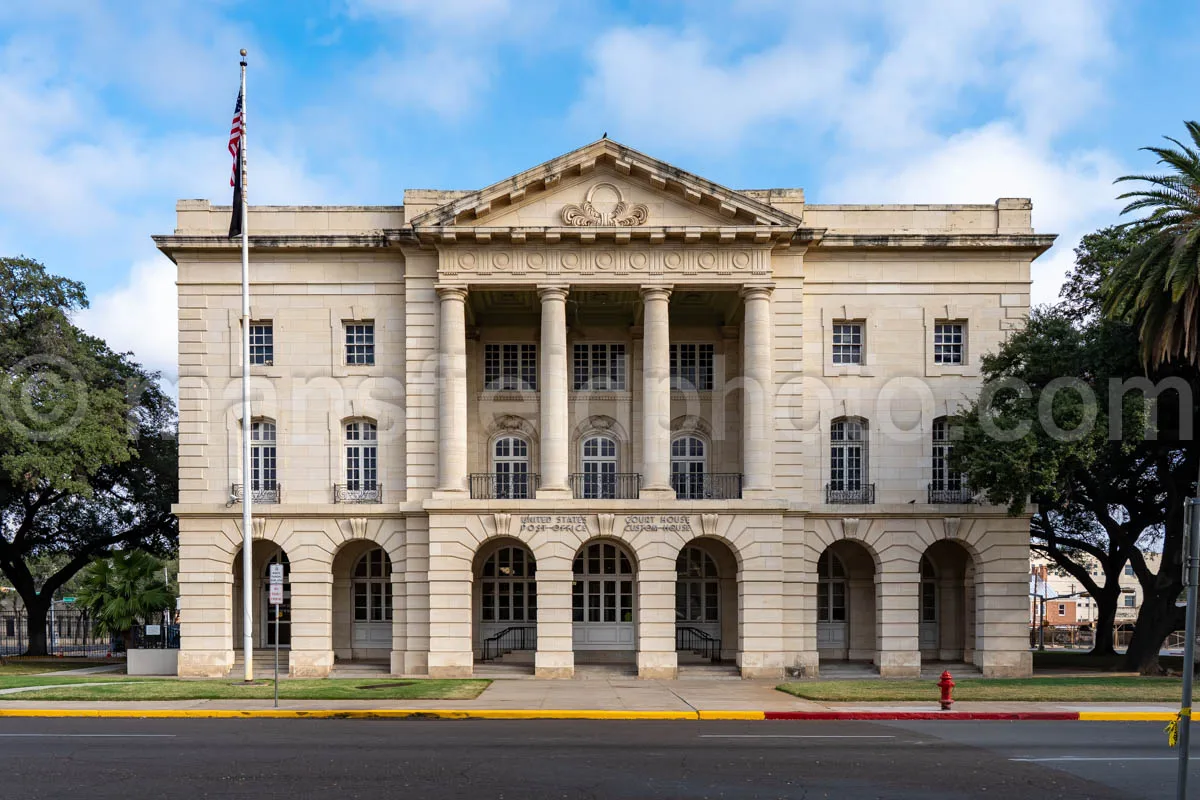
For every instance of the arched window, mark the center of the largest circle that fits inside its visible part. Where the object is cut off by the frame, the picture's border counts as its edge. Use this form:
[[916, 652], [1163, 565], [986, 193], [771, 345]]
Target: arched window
[[697, 588], [831, 588], [263, 477], [373, 587], [928, 591], [510, 465], [847, 455], [599, 456], [947, 484], [509, 586], [603, 587], [362, 456], [688, 465]]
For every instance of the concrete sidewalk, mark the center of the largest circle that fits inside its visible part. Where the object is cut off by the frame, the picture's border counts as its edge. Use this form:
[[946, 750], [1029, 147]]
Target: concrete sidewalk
[[628, 697]]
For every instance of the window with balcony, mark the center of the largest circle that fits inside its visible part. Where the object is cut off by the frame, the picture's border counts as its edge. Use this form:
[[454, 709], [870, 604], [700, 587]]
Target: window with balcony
[[848, 466], [360, 343], [262, 343], [599, 468], [263, 480], [847, 343], [510, 469], [688, 465], [362, 455], [692, 367], [510, 367], [947, 485], [949, 342], [599, 367]]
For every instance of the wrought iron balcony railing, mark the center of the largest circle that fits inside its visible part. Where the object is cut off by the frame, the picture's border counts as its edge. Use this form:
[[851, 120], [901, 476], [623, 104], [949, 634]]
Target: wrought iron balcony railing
[[259, 493], [962, 494], [707, 485], [840, 494], [611, 486], [358, 493], [504, 485]]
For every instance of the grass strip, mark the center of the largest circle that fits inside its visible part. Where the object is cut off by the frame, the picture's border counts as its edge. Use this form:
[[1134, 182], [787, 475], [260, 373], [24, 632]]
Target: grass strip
[[295, 689], [1018, 690]]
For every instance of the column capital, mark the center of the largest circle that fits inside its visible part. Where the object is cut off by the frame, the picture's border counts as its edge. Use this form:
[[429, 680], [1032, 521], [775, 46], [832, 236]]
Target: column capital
[[552, 292], [757, 291], [656, 292], [451, 291]]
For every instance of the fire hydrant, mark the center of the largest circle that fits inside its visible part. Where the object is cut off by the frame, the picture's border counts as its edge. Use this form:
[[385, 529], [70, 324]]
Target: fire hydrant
[[946, 684]]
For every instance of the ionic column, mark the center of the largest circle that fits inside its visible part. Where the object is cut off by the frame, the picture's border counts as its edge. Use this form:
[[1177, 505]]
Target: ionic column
[[452, 389], [553, 385], [656, 393], [758, 428]]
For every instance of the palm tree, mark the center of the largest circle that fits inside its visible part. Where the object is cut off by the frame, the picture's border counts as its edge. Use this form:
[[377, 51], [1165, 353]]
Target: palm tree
[[123, 590], [1156, 288]]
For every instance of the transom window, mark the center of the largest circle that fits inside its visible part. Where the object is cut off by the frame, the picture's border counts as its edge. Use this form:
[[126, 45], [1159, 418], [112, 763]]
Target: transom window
[[831, 588], [949, 342], [373, 587], [692, 366], [599, 367], [510, 367], [262, 455], [362, 456], [928, 591], [697, 588], [847, 342], [599, 467], [602, 590], [944, 478], [360, 342], [688, 464], [510, 464], [509, 586], [262, 343], [847, 455]]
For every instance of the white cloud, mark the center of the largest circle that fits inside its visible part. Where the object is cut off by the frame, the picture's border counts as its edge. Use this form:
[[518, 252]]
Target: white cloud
[[141, 316]]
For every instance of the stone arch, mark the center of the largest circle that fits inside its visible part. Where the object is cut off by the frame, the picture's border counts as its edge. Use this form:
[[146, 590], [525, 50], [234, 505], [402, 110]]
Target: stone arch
[[695, 588], [604, 600], [504, 594], [846, 612], [691, 423], [947, 603], [263, 552], [364, 608]]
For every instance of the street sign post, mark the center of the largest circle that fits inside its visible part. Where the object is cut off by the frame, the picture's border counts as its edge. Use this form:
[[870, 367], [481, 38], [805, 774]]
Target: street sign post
[[1191, 580], [275, 598]]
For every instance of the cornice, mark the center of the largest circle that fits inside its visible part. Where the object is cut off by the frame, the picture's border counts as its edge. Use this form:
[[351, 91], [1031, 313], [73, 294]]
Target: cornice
[[339, 241], [1039, 243]]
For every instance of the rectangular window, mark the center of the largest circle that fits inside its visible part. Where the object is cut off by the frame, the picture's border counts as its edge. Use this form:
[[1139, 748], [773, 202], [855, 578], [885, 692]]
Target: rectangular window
[[599, 368], [510, 367], [949, 343], [928, 601], [1062, 609], [847, 342], [1129, 569], [360, 343], [1130, 601], [262, 343], [692, 367]]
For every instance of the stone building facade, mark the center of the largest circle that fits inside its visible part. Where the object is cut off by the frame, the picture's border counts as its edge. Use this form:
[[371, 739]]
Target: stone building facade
[[603, 410]]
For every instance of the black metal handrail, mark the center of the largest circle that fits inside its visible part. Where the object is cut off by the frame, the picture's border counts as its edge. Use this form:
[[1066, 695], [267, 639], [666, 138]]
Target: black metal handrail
[[259, 493], [699, 642], [601, 486], [516, 637], [363, 493], [504, 485], [960, 495], [707, 485], [842, 495]]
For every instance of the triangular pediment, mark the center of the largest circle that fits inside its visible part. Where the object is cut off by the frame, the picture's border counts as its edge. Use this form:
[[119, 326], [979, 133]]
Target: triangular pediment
[[605, 185]]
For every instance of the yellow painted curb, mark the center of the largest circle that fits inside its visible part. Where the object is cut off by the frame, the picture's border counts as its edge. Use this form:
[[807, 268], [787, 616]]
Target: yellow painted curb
[[1126, 716], [349, 713], [732, 714]]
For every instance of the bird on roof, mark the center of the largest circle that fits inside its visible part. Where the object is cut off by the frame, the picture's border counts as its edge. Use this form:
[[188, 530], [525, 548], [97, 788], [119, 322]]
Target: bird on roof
[[605, 136]]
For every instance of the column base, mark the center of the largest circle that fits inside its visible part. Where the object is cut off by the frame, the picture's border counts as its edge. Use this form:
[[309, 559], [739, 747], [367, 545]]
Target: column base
[[758, 494], [899, 664], [205, 663], [657, 493], [554, 493], [1011, 664], [761, 665], [450, 494], [413, 663], [802, 665], [658, 666], [451, 665], [309, 663], [553, 665]]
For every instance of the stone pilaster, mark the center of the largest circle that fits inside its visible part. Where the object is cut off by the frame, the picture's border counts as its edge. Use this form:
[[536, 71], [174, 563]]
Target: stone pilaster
[[656, 656], [205, 609], [897, 611], [553, 385], [758, 421], [656, 395], [311, 582], [555, 656], [1002, 625], [452, 390]]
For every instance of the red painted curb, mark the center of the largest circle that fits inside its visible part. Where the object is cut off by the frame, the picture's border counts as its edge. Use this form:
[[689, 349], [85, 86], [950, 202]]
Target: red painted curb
[[1057, 716]]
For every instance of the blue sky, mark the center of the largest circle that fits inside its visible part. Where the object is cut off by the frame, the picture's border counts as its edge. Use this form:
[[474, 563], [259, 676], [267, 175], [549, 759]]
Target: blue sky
[[113, 110]]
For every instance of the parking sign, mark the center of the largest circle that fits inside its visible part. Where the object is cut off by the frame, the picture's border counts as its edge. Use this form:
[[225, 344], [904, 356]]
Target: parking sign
[[275, 596], [276, 574]]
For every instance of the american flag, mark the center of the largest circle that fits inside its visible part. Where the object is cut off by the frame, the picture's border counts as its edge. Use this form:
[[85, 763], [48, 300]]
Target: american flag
[[235, 137]]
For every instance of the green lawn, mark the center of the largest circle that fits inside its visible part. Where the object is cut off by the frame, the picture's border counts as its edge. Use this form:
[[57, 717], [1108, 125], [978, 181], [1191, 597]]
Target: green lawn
[[22, 666], [1048, 690], [232, 689]]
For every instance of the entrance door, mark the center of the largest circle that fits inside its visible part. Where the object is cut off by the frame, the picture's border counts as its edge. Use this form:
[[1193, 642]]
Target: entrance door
[[372, 601], [832, 634], [602, 598], [930, 635], [285, 608]]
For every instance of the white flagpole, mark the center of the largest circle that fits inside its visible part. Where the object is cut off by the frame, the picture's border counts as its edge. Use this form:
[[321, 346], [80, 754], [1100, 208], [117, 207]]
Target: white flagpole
[[247, 479]]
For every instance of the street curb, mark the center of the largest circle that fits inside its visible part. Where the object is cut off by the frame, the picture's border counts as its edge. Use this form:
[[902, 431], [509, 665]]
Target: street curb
[[588, 714]]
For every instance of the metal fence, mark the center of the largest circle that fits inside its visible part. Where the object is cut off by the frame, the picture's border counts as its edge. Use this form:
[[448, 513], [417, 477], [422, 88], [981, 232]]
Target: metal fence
[[156, 637], [69, 633]]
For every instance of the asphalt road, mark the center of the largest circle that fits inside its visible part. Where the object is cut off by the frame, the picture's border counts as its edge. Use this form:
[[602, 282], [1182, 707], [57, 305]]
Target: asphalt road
[[133, 759]]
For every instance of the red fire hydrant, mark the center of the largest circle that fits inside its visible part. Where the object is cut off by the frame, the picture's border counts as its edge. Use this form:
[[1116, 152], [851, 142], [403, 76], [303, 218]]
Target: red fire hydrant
[[946, 684]]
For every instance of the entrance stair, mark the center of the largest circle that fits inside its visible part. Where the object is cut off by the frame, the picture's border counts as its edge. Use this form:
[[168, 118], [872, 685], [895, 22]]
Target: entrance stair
[[264, 664]]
